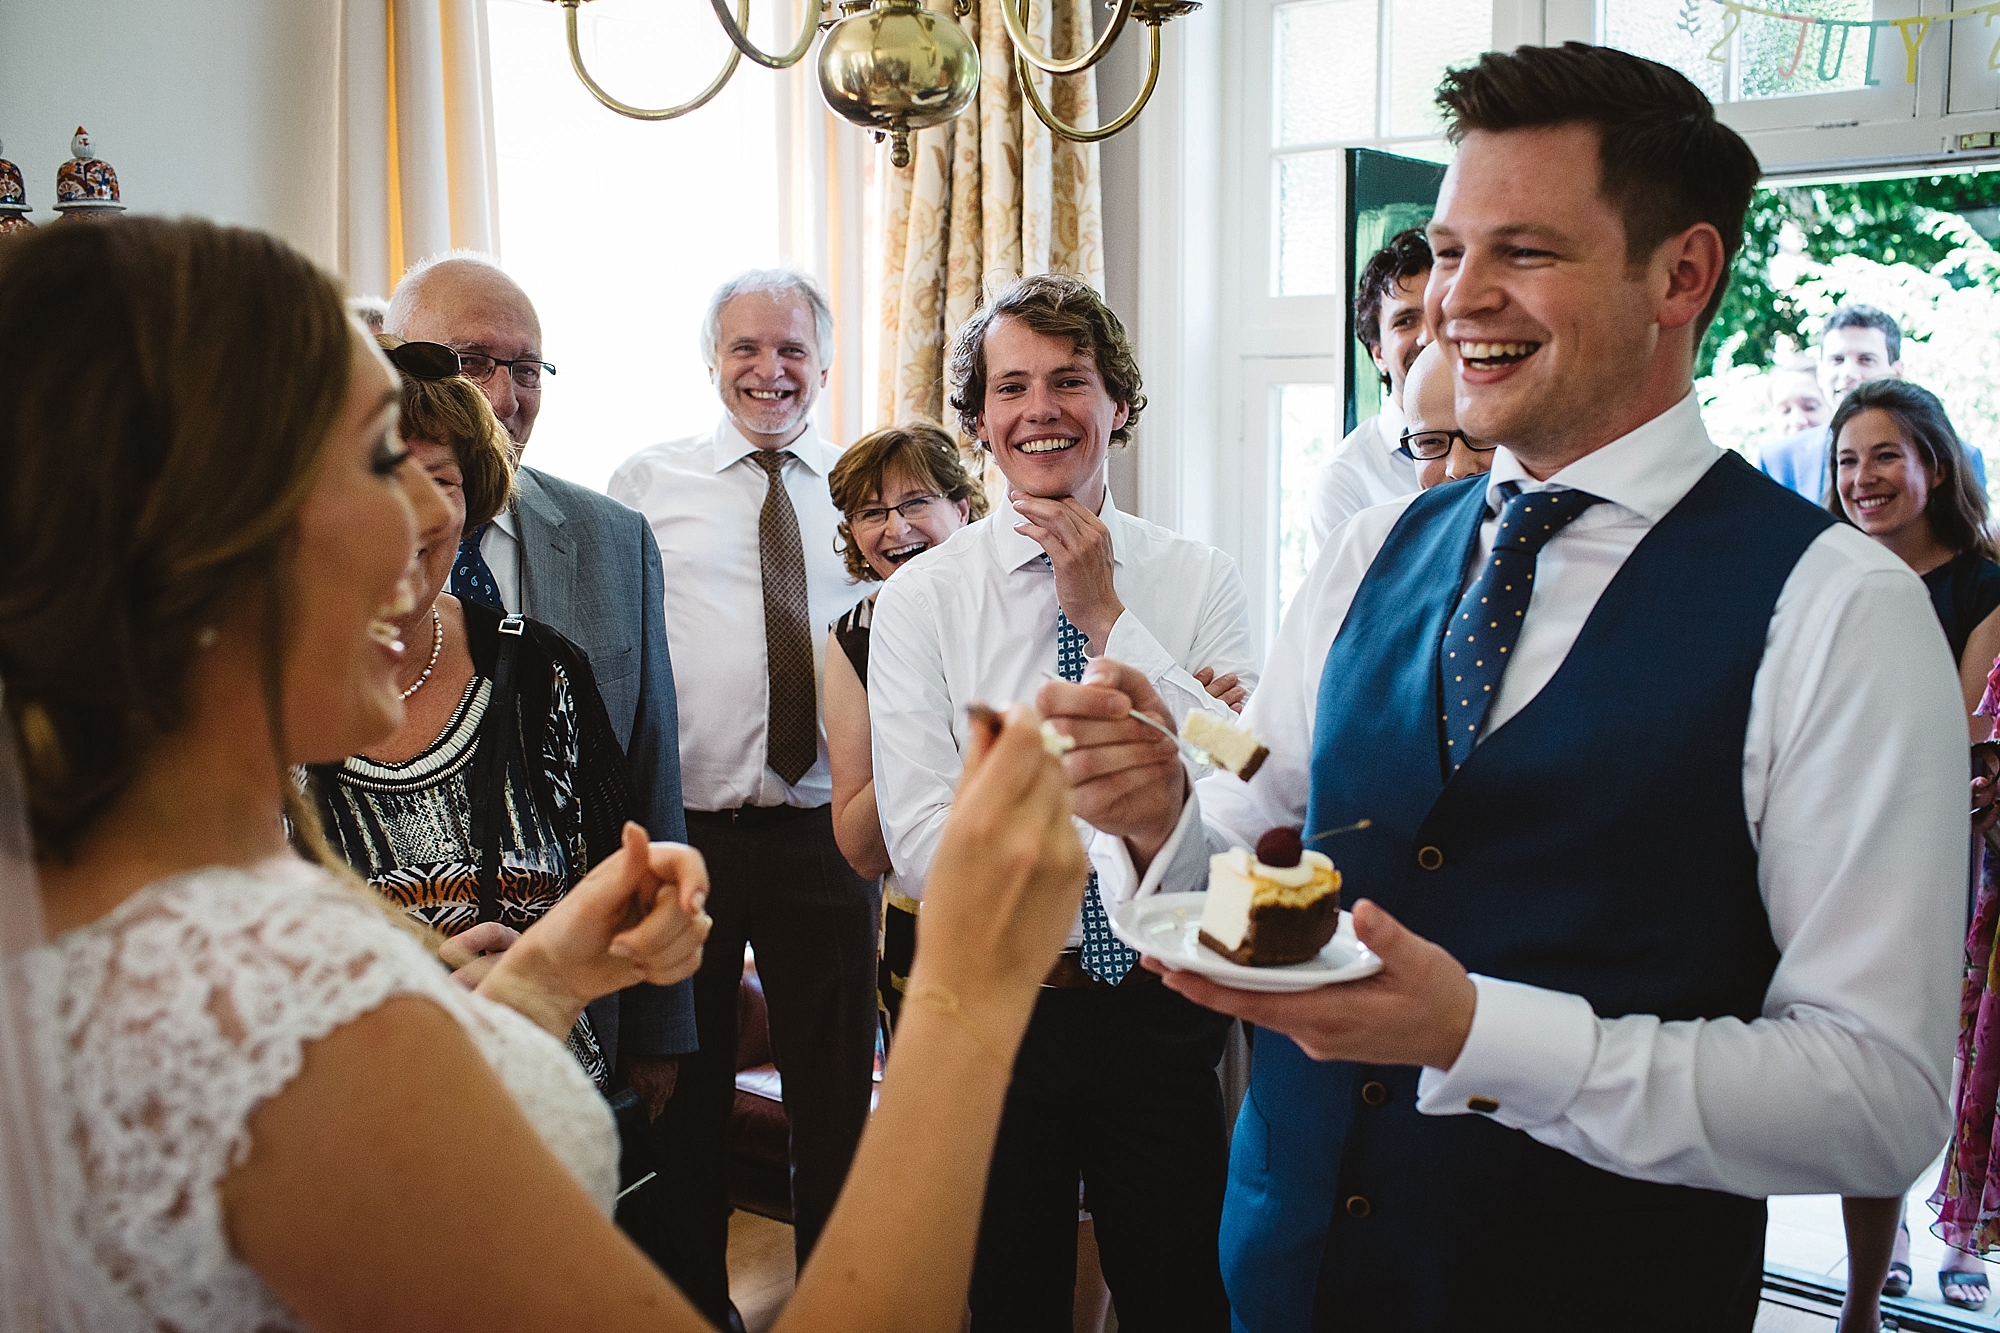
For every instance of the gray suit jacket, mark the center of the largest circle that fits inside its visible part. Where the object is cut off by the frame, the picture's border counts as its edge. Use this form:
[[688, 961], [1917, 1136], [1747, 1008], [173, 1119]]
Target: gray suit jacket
[[591, 569]]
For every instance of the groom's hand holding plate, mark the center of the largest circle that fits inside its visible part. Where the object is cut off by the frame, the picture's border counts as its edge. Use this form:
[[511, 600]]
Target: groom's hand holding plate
[[1416, 1010]]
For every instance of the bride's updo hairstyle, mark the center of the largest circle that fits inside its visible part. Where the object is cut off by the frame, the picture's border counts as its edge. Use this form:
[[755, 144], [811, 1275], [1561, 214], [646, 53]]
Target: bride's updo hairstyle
[[166, 391]]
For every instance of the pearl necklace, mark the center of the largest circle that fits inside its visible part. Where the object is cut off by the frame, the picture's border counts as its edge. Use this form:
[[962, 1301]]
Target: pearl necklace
[[437, 646]]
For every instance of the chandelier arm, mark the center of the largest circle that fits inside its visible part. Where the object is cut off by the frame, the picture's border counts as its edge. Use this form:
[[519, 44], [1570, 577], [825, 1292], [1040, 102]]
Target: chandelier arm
[[1103, 132], [1024, 46], [735, 26], [701, 99]]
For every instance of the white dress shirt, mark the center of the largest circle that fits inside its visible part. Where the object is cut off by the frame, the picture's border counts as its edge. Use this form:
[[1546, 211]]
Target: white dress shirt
[[703, 496], [1367, 468], [500, 547], [974, 621], [1854, 787]]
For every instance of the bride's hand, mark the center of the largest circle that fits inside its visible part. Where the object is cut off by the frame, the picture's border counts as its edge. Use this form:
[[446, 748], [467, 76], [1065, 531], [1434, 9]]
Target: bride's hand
[[637, 916], [1008, 876], [471, 953]]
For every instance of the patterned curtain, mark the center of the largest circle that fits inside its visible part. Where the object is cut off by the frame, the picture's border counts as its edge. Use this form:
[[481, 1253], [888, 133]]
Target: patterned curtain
[[987, 198]]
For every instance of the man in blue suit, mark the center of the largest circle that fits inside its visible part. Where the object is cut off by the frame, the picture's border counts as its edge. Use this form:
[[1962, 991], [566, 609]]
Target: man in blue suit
[[585, 564], [1642, 740], [1858, 343]]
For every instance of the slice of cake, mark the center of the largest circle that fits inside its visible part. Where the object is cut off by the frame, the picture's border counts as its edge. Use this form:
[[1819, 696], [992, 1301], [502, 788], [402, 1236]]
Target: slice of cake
[[1278, 905], [1230, 746]]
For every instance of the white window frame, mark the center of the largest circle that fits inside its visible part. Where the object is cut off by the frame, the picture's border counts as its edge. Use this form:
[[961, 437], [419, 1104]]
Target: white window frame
[[1270, 340], [1825, 134], [1262, 476]]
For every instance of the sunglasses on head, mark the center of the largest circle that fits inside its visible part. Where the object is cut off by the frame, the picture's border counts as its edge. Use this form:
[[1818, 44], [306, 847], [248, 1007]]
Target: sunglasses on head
[[423, 361]]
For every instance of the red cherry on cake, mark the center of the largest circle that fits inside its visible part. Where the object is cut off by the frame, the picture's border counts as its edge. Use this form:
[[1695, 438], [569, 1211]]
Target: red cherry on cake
[[1280, 848]]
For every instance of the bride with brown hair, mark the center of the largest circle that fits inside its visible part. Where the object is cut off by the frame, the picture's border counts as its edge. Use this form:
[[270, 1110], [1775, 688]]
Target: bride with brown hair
[[206, 523]]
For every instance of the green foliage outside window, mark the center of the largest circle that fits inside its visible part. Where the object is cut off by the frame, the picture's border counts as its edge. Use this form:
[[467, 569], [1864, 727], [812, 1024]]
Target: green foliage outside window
[[1914, 247], [1878, 220]]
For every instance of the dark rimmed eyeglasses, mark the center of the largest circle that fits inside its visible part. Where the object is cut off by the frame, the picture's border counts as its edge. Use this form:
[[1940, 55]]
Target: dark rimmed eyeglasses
[[422, 361], [1429, 444], [911, 509]]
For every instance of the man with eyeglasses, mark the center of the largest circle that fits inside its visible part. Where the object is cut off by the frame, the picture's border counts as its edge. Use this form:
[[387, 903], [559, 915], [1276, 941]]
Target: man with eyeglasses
[[587, 565], [747, 525], [1431, 436]]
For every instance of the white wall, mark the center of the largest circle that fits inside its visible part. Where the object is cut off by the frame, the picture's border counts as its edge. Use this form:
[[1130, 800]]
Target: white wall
[[225, 108]]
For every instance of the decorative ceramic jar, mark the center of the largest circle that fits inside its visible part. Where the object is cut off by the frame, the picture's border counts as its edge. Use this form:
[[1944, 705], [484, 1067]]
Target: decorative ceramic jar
[[13, 197], [87, 184]]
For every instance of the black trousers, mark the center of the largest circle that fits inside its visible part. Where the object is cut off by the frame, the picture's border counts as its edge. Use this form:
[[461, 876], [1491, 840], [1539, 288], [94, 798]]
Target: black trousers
[[778, 881], [1115, 1088]]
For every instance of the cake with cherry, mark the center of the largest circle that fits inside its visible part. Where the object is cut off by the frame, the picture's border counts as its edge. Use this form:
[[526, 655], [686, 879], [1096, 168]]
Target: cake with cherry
[[1277, 905]]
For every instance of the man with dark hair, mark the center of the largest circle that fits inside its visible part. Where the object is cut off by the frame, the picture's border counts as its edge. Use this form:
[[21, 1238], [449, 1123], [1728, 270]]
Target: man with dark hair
[[1370, 466], [1857, 343], [1639, 738], [1115, 1085]]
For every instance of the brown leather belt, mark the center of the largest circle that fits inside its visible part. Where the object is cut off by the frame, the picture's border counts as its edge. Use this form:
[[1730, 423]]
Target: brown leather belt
[[1068, 974]]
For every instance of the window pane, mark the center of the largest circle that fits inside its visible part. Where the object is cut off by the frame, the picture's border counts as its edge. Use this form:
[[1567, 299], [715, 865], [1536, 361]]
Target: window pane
[[1780, 59], [1766, 56], [1974, 84], [1311, 228], [1679, 33], [598, 223], [1309, 421], [1324, 54], [1427, 37]]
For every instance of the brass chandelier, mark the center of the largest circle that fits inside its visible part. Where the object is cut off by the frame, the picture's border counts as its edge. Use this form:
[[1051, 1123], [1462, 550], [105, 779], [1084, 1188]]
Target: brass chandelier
[[893, 66]]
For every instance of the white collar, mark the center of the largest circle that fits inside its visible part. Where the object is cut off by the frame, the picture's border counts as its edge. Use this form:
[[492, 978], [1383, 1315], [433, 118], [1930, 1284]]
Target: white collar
[[732, 446], [1648, 470], [1389, 424], [1017, 549]]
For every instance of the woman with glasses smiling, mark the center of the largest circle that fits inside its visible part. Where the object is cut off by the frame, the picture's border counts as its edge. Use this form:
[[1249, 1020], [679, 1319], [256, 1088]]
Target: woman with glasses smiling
[[900, 491]]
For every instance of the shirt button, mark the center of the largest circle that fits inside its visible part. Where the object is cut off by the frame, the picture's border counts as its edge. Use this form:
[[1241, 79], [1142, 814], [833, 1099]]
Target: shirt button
[[1430, 858], [1357, 1206], [1483, 1105], [1375, 1094]]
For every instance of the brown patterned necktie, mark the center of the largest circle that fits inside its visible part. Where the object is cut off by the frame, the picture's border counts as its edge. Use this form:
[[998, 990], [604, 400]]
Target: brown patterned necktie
[[792, 742]]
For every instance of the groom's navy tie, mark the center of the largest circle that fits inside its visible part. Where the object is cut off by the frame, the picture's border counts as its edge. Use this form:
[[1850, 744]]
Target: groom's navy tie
[[1487, 622]]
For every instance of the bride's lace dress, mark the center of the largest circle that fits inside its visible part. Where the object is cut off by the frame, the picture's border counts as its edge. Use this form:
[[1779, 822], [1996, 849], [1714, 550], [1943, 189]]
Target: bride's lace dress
[[161, 1027]]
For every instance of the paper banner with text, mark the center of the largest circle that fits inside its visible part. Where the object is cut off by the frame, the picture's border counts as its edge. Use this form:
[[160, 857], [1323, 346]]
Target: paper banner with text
[[1834, 34]]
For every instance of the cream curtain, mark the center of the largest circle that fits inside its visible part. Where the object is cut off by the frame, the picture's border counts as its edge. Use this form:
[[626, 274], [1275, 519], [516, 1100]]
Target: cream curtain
[[823, 167], [987, 198], [420, 175]]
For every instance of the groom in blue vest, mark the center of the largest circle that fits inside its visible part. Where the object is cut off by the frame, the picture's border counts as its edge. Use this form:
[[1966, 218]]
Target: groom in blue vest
[[1666, 775]]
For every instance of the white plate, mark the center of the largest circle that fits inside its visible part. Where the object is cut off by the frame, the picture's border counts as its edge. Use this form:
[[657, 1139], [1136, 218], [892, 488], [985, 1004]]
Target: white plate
[[1166, 925]]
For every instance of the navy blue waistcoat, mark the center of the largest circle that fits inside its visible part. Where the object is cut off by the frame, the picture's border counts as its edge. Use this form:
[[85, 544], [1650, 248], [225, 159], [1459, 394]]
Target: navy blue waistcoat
[[1594, 844]]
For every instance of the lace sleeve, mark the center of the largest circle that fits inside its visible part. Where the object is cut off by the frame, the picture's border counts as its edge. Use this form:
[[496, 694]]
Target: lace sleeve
[[170, 1021]]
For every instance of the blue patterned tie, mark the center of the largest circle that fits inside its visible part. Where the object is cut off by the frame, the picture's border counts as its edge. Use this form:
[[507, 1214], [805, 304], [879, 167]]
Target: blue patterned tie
[[1487, 621], [1103, 955], [471, 577]]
